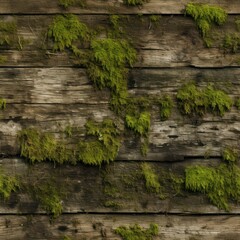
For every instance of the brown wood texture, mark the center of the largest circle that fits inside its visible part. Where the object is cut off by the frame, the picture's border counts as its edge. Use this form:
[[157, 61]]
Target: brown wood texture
[[164, 44], [92, 227], [86, 189], [49, 91], [107, 6]]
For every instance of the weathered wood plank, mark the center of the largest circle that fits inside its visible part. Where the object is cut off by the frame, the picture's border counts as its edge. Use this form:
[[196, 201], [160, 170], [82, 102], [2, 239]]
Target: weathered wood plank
[[53, 98], [92, 226], [85, 188], [108, 7], [157, 46]]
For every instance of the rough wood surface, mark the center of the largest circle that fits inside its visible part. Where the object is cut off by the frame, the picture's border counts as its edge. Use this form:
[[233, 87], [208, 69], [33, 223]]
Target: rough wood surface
[[52, 98], [85, 189], [163, 45], [107, 6], [97, 226]]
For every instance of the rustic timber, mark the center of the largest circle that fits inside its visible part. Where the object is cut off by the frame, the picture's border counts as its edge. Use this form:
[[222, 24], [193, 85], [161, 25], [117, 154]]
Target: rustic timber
[[102, 226], [48, 90], [107, 6], [85, 191]]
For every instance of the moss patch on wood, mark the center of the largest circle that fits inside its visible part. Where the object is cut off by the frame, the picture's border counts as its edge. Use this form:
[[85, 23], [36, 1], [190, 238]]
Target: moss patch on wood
[[197, 101], [135, 2], [136, 232], [8, 184], [68, 32], [220, 184], [205, 16], [102, 143], [37, 146], [71, 3]]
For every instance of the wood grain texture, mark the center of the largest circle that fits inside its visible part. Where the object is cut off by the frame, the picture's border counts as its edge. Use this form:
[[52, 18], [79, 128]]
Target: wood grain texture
[[52, 98], [92, 227], [107, 7], [85, 189], [163, 45]]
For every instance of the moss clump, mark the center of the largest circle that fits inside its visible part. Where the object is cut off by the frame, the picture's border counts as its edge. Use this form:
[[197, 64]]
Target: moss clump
[[165, 105], [139, 124], [136, 232], [69, 3], [231, 42], [196, 101], [230, 154], [205, 16], [8, 32], [219, 184], [102, 144], [8, 184], [49, 196], [237, 103], [3, 103], [107, 68], [37, 147], [135, 2], [151, 179], [66, 32]]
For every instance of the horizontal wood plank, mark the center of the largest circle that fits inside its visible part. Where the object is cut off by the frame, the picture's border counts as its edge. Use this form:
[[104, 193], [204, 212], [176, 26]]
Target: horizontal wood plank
[[94, 226], [107, 7], [86, 189], [163, 45]]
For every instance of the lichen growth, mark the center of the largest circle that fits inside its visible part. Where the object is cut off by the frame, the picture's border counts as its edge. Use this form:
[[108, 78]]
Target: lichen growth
[[205, 16], [151, 178], [8, 184], [197, 101], [136, 232], [67, 32], [37, 147], [220, 184], [102, 143], [135, 2]]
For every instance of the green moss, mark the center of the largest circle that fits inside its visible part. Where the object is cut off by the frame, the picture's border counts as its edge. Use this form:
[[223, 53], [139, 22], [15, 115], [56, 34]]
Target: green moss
[[8, 32], [139, 124], [151, 179], [3, 103], [165, 104], [230, 154], [69, 3], [49, 195], [107, 68], [3, 59], [102, 144], [219, 184], [136, 232], [237, 103], [8, 184], [231, 42], [196, 101], [205, 16], [67, 31], [135, 2], [37, 147]]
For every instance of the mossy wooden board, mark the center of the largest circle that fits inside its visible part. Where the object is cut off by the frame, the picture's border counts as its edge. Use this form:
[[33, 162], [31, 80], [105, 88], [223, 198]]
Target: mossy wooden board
[[93, 6]]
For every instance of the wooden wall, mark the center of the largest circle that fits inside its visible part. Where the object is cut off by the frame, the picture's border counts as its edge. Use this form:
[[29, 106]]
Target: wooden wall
[[44, 89]]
